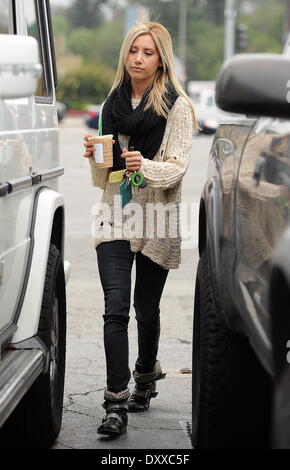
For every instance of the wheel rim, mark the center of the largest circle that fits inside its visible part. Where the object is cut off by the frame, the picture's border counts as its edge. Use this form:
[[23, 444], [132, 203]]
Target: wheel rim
[[54, 349]]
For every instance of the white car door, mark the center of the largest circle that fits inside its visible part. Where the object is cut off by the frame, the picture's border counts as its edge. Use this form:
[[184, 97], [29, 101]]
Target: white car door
[[28, 142]]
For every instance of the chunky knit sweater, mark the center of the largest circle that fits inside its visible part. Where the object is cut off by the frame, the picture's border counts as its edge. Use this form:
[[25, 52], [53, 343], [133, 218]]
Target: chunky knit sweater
[[159, 240]]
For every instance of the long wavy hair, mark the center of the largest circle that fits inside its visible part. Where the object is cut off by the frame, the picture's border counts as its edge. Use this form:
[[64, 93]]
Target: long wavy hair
[[164, 74]]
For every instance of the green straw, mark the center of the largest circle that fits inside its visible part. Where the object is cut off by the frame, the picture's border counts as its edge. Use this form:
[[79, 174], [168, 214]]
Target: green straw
[[100, 125]]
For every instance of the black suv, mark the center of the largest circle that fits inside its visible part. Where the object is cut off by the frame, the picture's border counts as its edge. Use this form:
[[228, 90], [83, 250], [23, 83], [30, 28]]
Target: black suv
[[241, 340]]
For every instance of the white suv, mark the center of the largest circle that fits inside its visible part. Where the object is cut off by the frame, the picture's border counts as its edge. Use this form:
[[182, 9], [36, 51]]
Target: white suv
[[33, 274]]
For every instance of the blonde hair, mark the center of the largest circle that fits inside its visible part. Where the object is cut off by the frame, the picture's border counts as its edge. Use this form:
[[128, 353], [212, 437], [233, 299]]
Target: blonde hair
[[164, 74]]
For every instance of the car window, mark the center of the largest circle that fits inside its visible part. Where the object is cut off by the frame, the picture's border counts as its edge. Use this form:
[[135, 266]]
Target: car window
[[35, 27], [7, 17]]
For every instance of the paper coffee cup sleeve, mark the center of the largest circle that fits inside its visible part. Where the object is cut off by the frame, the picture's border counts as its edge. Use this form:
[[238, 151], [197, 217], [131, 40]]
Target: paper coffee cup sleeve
[[99, 153]]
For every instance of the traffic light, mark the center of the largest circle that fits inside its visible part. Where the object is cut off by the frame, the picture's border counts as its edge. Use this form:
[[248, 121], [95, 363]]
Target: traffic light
[[241, 37]]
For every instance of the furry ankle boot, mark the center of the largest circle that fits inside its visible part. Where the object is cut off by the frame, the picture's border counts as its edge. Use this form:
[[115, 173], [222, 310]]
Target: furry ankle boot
[[145, 389], [115, 421]]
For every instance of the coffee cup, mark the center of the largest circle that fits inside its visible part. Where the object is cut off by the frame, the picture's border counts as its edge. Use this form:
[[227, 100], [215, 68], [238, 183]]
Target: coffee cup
[[103, 154]]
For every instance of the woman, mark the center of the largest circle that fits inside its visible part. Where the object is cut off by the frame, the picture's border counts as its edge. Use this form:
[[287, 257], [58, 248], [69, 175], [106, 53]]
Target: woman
[[148, 113]]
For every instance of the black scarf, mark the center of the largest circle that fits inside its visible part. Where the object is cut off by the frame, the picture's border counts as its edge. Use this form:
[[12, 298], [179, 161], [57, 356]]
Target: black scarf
[[145, 128]]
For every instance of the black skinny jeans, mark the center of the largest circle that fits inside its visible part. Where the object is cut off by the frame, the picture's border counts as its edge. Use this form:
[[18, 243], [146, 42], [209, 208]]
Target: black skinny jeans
[[115, 260]]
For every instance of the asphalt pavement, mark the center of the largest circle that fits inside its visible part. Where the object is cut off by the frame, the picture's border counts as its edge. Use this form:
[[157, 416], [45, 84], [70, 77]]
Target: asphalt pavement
[[167, 425]]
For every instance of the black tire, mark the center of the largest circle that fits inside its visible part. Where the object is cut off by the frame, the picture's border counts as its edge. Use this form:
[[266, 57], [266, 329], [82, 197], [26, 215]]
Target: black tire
[[36, 421], [231, 392]]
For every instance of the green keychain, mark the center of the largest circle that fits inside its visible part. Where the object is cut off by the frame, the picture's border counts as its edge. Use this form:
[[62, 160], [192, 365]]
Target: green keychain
[[137, 179]]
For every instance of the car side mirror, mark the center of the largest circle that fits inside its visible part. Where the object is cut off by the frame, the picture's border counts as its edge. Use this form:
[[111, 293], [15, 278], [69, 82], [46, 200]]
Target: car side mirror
[[19, 66], [255, 85]]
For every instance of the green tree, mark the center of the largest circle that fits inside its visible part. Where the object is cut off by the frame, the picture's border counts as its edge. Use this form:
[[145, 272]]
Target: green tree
[[215, 11], [204, 50], [206, 39], [108, 42], [85, 13], [98, 45], [82, 41], [265, 27], [60, 24], [88, 84]]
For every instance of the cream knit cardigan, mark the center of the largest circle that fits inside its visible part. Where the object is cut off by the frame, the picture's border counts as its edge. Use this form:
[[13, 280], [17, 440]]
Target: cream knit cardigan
[[164, 176]]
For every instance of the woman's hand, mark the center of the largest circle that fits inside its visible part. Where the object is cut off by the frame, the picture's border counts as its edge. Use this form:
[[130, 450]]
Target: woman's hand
[[90, 148], [133, 159]]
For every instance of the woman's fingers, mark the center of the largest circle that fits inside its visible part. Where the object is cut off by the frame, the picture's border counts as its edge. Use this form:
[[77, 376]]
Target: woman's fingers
[[133, 163], [133, 160], [89, 145], [88, 154], [135, 166], [127, 154], [88, 137]]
